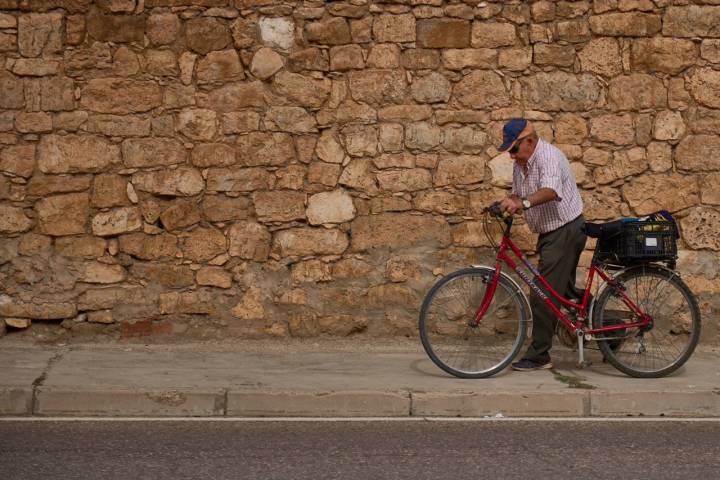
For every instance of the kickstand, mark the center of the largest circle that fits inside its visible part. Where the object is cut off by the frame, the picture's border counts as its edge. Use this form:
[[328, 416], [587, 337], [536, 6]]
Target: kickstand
[[582, 363]]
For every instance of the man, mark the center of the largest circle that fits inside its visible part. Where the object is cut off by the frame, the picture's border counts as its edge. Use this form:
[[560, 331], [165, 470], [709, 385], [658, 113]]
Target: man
[[544, 190]]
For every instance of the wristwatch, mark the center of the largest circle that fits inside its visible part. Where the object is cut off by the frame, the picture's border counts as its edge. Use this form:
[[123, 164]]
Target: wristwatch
[[526, 203]]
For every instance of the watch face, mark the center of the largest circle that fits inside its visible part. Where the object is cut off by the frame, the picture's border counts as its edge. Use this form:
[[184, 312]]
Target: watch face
[[526, 203]]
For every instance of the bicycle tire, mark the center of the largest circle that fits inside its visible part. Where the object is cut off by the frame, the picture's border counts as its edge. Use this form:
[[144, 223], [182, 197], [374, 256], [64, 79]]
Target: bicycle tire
[[445, 331], [670, 341]]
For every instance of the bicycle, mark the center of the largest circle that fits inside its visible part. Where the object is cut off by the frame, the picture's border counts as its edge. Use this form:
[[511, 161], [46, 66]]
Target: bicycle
[[644, 318]]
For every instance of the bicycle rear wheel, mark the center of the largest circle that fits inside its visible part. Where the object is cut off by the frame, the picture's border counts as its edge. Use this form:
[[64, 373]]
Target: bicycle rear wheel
[[461, 349], [666, 344]]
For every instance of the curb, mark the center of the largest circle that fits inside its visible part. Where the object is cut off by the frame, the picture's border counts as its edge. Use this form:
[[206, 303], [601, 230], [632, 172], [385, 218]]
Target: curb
[[111, 402], [123, 402]]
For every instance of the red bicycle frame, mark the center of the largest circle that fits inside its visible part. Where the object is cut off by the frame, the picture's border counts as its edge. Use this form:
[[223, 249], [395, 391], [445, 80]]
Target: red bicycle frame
[[581, 308]]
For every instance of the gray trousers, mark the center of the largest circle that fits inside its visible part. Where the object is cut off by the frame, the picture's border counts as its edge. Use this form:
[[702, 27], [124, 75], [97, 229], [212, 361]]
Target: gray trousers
[[559, 255]]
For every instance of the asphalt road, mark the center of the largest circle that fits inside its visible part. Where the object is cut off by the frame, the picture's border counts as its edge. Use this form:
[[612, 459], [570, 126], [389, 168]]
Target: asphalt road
[[359, 450]]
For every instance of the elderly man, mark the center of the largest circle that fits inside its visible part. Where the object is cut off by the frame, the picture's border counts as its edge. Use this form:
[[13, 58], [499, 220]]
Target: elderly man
[[544, 190]]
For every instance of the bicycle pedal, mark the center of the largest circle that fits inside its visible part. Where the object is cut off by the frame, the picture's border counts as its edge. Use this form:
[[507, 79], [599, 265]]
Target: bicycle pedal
[[584, 364]]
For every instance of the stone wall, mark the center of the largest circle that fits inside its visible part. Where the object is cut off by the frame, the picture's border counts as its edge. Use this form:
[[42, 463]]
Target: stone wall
[[215, 168]]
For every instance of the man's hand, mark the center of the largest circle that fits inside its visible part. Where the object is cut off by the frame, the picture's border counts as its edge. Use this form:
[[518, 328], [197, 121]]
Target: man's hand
[[511, 204]]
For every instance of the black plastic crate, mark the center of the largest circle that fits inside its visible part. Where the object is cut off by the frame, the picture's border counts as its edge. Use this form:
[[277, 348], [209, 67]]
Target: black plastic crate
[[640, 241]]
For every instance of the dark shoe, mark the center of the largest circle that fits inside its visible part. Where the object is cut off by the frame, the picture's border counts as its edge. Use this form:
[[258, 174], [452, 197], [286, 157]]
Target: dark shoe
[[526, 365]]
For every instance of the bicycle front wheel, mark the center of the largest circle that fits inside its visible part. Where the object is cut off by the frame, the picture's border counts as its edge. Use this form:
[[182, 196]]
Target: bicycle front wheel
[[664, 345], [446, 330]]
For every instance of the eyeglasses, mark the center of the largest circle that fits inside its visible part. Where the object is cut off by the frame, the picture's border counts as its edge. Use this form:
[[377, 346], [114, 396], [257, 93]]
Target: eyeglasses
[[516, 147]]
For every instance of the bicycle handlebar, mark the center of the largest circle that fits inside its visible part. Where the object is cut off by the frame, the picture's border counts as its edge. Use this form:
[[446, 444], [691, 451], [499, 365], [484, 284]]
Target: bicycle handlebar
[[494, 210]]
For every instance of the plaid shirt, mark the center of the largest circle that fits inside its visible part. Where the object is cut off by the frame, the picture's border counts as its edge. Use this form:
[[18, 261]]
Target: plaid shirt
[[548, 168]]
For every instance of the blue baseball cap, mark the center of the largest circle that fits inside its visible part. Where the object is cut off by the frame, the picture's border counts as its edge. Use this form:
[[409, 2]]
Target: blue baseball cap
[[511, 132]]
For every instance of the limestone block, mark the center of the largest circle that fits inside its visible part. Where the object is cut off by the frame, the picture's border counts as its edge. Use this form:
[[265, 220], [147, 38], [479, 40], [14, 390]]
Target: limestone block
[[328, 148], [149, 247], [180, 215], [459, 170], [13, 220], [667, 55], [360, 140], [237, 96], [36, 122], [117, 221], [630, 24], [41, 185], [431, 88], [395, 230], [220, 67], [384, 56], [249, 240], [274, 32], [443, 33], [119, 95], [617, 129], [163, 28], [301, 90], [279, 206], [109, 190], [324, 173], [394, 28], [574, 31], [13, 308], [205, 34], [63, 214], [709, 192], [311, 271], [625, 163], [492, 35], [601, 56], [330, 207], [463, 140], [39, 33], [251, 307], [214, 277], [13, 91], [391, 137], [559, 55], [197, 123], [203, 244], [405, 180], [330, 31], [650, 193], [441, 202], [184, 181], [422, 136], [308, 59], [420, 59], [691, 21], [18, 160], [76, 154], [669, 125], [699, 228], [237, 179], [377, 87], [704, 86], [695, 153], [559, 91], [290, 119], [96, 272], [101, 316], [405, 113], [35, 67], [161, 63], [602, 203], [258, 148], [483, 89], [346, 57], [265, 63], [213, 155], [119, 125], [218, 208], [501, 168], [571, 128], [458, 59], [516, 59], [240, 122], [151, 152], [116, 28], [174, 276], [309, 241]]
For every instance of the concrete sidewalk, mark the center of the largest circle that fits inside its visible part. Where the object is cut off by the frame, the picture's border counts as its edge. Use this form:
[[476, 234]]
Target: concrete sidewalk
[[133, 380]]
